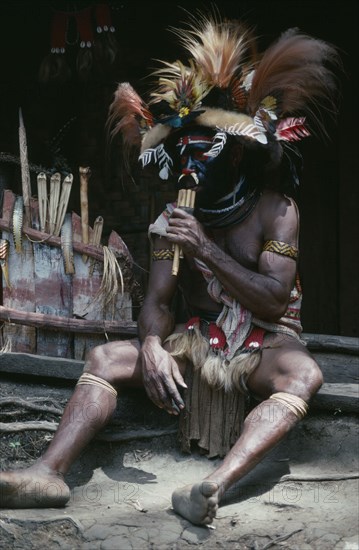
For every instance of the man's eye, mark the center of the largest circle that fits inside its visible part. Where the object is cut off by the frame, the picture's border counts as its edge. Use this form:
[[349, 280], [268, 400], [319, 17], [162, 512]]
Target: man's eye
[[199, 155]]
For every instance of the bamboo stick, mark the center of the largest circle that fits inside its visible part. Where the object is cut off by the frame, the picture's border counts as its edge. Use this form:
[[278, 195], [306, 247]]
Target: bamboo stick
[[84, 178]]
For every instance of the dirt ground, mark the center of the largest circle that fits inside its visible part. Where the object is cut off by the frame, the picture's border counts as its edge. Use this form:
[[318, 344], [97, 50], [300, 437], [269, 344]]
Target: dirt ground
[[121, 491]]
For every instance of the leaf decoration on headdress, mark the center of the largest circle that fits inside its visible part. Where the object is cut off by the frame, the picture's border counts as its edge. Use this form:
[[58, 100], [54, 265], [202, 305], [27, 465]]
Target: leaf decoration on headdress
[[248, 130], [157, 155], [294, 70], [148, 156], [218, 47], [165, 162], [219, 141], [292, 129]]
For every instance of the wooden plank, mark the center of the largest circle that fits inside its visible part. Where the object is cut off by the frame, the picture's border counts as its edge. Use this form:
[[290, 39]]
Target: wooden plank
[[53, 296], [35, 235], [35, 365], [86, 284], [331, 397], [54, 322], [332, 343], [21, 293], [337, 397], [338, 367]]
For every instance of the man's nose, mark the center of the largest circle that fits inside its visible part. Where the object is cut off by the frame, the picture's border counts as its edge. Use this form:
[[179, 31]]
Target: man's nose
[[187, 171]]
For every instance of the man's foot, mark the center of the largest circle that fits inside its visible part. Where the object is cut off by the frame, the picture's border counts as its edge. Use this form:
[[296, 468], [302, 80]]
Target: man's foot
[[32, 488], [198, 503]]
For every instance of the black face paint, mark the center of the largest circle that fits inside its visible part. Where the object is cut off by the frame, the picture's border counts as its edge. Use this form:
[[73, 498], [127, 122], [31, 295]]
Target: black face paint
[[212, 173]]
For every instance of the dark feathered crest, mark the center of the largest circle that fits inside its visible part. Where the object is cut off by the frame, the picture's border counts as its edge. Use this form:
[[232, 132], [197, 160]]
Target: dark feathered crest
[[295, 72]]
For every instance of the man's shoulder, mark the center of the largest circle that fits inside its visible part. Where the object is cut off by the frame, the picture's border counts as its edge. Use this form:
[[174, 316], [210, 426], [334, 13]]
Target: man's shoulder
[[271, 200], [275, 207]]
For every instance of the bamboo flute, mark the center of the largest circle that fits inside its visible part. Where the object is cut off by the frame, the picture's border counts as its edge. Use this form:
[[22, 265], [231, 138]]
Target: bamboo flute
[[84, 178], [185, 199]]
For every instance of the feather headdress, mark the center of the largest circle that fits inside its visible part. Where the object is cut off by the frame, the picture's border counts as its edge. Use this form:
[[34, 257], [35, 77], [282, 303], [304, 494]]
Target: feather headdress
[[227, 86]]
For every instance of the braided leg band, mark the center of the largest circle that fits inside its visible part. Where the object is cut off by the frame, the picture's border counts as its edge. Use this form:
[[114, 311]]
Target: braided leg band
[[294, 403], [92, 380]]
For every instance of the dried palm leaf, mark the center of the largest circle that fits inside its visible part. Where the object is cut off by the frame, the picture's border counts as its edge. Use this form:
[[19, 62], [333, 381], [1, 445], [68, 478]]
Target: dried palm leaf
[[55, 186], [42, 198], [63, 203]]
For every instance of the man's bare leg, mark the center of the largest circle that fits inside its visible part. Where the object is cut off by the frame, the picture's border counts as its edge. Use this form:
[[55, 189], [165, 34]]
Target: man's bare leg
[[88, 411], [289, 369]]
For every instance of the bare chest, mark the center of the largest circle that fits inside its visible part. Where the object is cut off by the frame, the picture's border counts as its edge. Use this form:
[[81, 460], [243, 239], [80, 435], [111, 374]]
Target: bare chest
[[243, 242]]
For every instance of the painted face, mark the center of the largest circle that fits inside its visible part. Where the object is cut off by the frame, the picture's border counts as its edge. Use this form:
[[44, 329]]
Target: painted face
[[211, 180], [192, 154]]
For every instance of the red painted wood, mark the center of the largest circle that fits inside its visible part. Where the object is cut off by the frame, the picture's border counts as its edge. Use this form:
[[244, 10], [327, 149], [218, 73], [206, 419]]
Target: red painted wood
[[53, 296]]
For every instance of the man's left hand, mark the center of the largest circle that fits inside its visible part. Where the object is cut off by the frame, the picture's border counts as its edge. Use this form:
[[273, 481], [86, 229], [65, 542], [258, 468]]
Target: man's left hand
[[186, 231]]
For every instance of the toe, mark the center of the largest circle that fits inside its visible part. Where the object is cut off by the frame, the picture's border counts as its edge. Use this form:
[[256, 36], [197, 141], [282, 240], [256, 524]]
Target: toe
[[208, 488], [208, 520]]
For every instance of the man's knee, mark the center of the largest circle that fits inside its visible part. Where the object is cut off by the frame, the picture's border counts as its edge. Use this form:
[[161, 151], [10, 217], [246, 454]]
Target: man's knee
[[105, 361], [304, 381]]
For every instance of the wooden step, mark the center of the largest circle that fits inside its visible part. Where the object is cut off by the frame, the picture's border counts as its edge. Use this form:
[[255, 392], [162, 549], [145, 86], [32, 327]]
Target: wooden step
[[338, 358]]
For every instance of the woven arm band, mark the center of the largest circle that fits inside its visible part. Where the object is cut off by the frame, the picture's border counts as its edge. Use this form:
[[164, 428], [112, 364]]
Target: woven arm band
[[162, 254], [281, 248]]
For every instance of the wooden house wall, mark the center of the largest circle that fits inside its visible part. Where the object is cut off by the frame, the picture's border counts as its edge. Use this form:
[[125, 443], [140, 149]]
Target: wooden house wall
[[328, 194]]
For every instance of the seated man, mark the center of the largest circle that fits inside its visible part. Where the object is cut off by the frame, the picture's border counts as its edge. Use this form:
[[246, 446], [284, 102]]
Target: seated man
[[238, 275]]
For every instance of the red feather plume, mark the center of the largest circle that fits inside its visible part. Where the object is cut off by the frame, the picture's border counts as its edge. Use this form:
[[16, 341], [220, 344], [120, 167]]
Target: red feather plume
[[128, 116]]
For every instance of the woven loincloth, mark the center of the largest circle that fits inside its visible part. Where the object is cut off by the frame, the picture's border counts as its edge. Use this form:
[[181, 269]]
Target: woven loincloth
[[213, 419], [215, 398]]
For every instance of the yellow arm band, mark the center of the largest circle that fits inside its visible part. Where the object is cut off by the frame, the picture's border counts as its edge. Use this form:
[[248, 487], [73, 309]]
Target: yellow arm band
[[281, 248], [162, 254]]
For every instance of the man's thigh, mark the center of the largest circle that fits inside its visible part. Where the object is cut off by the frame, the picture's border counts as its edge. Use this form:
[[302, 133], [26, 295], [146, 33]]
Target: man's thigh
[[286, 365], [121, 361]]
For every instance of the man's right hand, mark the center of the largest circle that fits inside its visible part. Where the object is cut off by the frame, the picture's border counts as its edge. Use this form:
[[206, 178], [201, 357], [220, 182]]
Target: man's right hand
[[161, 376]]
